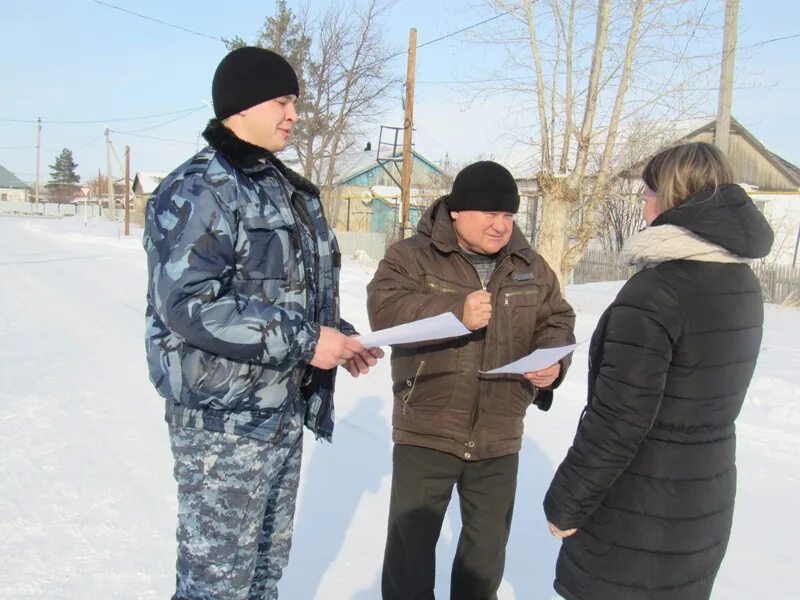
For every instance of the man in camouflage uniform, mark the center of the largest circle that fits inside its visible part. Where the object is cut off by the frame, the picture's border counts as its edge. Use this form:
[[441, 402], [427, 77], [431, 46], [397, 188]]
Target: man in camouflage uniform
[[243, 331]]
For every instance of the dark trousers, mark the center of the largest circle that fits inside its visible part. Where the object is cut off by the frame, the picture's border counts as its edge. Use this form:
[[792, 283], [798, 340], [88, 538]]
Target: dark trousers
[[422, 483]]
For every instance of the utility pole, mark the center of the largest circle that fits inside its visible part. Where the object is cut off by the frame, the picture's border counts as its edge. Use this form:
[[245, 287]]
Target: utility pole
[[408, 128], [38, 155], [99, 194], [722, 132], [127, 190], [110, 179]]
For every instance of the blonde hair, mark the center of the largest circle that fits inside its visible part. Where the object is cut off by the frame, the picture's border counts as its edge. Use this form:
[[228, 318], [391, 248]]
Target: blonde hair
[[678, 172]]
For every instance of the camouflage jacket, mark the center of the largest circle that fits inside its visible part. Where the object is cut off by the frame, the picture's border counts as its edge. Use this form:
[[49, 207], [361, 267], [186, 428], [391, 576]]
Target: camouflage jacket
[[242, 271]]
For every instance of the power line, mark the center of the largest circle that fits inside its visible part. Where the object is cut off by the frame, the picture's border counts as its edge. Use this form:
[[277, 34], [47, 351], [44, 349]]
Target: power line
[[745, 47], [777, 39], [92, 141], [183, 116], [187, 30], [95, 122], [451, 34], [224, 41], [103, 121], [152, 137], [686, 46], [467, 28], [682, 57], [470, 81]]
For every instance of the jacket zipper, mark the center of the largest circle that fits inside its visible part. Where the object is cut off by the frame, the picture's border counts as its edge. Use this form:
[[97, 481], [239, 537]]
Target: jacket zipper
[[514, 293], [476, 409], [297, 239], [407, 397], [442, 288]]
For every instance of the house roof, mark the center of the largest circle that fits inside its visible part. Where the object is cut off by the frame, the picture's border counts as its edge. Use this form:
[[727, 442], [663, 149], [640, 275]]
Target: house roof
[[351, 164], [794, 169], [390, 195], [694, 127], [784, 166], [10, 181], [147, 181]]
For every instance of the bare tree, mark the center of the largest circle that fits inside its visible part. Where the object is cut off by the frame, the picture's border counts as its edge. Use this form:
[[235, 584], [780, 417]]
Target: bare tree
[[621, 214], [615, 68], [357, 83], [786, 233], [340, 57]]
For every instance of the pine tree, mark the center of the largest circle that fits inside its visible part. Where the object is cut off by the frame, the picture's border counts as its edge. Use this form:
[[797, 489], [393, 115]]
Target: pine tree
[[285, 34], [289, 35], [62, 186]]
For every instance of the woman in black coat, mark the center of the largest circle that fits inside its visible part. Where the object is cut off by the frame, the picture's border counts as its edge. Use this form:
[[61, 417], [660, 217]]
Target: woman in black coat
[[644, 498]]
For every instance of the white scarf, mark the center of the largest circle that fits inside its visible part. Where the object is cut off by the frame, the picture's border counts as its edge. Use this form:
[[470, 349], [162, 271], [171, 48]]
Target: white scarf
[[663, 243]]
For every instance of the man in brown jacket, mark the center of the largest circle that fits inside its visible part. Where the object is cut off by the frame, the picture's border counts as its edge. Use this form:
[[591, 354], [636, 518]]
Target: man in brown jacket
[[452, 424]]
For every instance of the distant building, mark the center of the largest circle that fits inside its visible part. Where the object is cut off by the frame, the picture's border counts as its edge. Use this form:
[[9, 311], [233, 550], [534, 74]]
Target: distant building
[[12, 189], [772, 182], [367, 194], [144, 184]]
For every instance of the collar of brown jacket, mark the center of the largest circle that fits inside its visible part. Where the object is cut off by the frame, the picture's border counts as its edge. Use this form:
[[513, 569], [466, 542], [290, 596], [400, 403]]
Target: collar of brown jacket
[[436, 224]]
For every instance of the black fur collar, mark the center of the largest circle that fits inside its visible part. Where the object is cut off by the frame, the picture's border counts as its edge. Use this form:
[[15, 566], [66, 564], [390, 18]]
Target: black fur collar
[[248, 157]]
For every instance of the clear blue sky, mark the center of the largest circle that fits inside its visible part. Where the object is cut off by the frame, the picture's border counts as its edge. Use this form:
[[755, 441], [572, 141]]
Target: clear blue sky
[[82, 61]]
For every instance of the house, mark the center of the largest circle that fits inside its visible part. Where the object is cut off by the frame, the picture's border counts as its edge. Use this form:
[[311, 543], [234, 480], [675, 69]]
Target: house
[[12, 189], [771, 181], [366, 191], [382, 204], [144, 184]]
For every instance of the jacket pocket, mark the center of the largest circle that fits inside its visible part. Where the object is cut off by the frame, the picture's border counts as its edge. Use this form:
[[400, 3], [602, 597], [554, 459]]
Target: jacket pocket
[[437, 285], [521, 297], [406, 397], [520, 303], [521, 397], [267, 249], [216, 382]]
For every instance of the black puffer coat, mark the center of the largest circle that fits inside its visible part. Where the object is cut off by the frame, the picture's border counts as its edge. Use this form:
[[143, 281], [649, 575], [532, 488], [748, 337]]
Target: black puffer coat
[[650, 479]]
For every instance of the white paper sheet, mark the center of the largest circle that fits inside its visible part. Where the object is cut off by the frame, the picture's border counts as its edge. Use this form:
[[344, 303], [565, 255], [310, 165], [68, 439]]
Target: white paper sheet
[[539, 359], [433, 328]]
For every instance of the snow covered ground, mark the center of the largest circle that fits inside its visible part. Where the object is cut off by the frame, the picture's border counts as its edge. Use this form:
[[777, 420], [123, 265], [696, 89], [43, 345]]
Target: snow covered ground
[[87, 499]]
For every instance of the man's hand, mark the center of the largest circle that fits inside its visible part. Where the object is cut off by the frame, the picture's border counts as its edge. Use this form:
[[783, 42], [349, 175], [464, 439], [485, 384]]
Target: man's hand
[[362, 361], [477, 310], [334, 349], [544, 378], [559, 533]]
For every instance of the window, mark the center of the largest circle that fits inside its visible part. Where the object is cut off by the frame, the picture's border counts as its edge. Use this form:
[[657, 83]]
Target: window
[[3, 197]]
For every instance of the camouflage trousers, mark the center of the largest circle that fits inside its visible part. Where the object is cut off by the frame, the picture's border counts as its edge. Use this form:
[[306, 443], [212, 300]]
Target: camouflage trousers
[[236, 501]]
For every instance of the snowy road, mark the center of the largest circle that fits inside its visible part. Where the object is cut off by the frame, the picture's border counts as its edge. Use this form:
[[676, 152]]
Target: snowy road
[[87, 499]]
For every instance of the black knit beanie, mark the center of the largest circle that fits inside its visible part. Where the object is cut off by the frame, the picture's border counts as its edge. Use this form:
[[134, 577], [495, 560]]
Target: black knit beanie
[[249, 76], [484, 186]]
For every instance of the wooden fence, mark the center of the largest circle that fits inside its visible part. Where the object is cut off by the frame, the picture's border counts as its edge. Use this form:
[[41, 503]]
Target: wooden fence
[[599, 266], [778, 282]]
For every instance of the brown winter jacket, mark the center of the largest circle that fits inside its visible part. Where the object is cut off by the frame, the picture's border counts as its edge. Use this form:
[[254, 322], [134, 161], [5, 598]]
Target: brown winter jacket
[[441, 401]]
